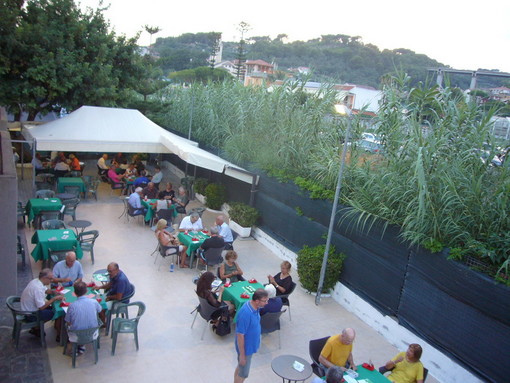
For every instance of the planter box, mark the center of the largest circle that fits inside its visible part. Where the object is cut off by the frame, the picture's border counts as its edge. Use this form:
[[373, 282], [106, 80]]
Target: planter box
[[200, 198], [244, 232]]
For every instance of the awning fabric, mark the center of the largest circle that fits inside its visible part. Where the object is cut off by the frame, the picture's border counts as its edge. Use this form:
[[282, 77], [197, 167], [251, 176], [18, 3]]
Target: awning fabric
[[109, 130]]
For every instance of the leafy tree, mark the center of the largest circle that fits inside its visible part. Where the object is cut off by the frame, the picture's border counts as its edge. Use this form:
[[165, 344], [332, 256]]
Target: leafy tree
[[201, 74], [215, 47], [151, 31], [149, 75], [61, 57]]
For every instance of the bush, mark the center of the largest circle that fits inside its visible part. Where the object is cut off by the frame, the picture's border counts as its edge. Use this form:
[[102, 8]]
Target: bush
[[309, 263], [200, 184], [244, 215], [215, 196]]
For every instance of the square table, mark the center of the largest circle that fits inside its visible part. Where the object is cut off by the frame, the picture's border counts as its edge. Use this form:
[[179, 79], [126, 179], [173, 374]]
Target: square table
[[36, 205], [374, 376], [187, 240], [150, 205], [70, 181], [55, 240], [233, 293]]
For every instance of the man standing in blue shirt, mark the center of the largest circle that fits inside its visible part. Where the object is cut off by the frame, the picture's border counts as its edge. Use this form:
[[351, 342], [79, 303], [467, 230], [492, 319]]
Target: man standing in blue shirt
[[248, 333]]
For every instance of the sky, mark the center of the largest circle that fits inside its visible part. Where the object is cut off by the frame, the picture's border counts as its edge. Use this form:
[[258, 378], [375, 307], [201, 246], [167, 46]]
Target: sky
[[456, 33]]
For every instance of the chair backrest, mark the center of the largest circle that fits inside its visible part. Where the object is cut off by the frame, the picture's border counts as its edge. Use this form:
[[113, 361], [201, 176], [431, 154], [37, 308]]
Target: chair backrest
[[13, 304], [44, 193], [94, 185], [167, 214], [205, 308], [126, 324], [315, 347], [212, 256], [131, 210], [75, 173], [88, 236], [53, 224], [425, 373], [70, 205], [285, 297], [85, 336], [163, 250], [72, 190], [270, 322], [126, 298], [234, 235], [59, 255]]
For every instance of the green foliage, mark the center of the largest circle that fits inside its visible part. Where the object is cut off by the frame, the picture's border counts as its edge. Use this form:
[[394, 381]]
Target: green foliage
[[433, 245], [201, 74], [200, 184], [309, 264], [456, 253], [215, 196], [244, 215], [316, 190], [299, 211]]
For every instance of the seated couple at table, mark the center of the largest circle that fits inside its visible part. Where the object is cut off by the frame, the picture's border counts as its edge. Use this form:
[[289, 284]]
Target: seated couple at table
[[204, 290], [168, 240]]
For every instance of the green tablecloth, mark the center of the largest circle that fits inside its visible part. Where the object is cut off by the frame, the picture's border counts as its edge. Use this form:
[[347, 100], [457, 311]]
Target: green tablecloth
[[70, 181], [186, 240], [151, 208], [55, 240], [233, 293], [36, 205], [70, 297], [371, 376]]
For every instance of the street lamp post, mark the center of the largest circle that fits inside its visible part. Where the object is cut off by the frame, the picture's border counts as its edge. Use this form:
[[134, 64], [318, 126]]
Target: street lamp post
[[343, 111]]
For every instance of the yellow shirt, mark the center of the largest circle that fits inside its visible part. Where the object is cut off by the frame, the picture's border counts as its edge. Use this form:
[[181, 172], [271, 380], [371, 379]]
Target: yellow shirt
[[405, 371], [335, 351]]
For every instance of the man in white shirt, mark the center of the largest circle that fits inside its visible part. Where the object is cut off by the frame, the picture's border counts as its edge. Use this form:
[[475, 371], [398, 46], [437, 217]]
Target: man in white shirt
[[225, 232], [101, 163], [33, 298], [193, 222]]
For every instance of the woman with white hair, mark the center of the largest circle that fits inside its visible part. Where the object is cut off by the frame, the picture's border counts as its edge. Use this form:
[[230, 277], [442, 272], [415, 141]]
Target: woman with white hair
[[274, 304], [167, 239]]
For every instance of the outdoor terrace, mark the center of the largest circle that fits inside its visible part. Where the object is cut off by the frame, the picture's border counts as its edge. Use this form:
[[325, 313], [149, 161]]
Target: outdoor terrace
[[168, 347]]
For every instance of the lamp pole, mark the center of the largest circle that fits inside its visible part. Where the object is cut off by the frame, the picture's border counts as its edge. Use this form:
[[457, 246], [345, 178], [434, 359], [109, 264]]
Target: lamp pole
[[343, 111]]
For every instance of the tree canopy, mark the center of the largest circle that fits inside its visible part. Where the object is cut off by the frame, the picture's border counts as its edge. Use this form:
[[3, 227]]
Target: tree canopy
[[54, 55]]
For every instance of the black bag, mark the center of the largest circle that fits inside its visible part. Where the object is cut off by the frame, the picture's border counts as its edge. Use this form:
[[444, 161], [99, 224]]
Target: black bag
[[223, 326]]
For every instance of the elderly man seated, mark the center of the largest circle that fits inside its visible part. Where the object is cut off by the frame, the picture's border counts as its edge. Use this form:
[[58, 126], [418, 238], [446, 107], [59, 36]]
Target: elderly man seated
[[135, 202], [68, 271], [82, 314], [193, 222], [33, 298], [225, 232], [150, 191], [338, 351]]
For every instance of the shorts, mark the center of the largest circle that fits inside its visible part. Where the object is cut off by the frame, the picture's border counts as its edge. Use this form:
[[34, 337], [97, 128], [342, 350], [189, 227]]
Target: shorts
[[244, 371]]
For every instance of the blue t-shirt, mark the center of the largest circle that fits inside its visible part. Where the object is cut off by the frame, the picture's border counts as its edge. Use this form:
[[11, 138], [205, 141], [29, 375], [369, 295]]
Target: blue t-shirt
[[248, 324], [120, 284]]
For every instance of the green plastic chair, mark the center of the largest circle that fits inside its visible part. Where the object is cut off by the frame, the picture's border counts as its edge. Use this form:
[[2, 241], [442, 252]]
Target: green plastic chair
[[122, 324], [24, 319], [87, 240], [84, 337]]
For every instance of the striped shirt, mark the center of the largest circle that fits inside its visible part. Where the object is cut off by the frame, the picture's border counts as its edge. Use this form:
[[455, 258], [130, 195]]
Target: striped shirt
[[82, 313]]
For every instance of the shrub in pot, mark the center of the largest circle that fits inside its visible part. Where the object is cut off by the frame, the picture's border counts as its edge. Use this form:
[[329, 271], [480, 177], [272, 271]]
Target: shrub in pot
[[309, 263], [242, 214], [200, 184], [215, 196]]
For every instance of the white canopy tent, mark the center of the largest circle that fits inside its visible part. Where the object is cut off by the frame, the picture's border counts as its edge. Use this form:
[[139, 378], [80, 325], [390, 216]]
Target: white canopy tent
[[109, 130]]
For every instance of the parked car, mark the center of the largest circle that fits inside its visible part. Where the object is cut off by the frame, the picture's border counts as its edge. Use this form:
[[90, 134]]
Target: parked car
[[370, 146]]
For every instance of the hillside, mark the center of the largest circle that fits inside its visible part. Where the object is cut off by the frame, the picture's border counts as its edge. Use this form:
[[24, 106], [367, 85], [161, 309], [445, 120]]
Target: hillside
[[331, 58]]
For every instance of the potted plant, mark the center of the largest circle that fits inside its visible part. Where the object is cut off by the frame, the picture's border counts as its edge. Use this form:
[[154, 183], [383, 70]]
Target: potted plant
[[215, 196], [199, 187], [309, 264], [242, 218]]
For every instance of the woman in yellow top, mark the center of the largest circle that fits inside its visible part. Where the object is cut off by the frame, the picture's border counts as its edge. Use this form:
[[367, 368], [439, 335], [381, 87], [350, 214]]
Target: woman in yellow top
[[406, 366]]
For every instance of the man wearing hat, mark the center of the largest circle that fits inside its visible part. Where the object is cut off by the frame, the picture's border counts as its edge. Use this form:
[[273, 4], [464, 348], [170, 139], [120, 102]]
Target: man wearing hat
[[135, 201]]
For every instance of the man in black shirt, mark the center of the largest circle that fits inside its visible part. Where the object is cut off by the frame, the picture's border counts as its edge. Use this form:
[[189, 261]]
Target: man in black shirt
[[214, 241]]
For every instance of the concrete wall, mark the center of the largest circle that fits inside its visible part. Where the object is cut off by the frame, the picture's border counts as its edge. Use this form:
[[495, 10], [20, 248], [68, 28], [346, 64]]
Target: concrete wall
[[8, 215]]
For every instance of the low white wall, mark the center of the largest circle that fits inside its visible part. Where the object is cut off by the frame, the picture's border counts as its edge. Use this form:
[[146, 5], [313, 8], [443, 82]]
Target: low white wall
[[174, 169], [439, 365]]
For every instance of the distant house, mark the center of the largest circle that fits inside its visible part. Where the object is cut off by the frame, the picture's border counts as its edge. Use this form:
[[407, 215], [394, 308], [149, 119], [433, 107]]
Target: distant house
[[356, 97], [228, 66], [500, 93], [258, 66]]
